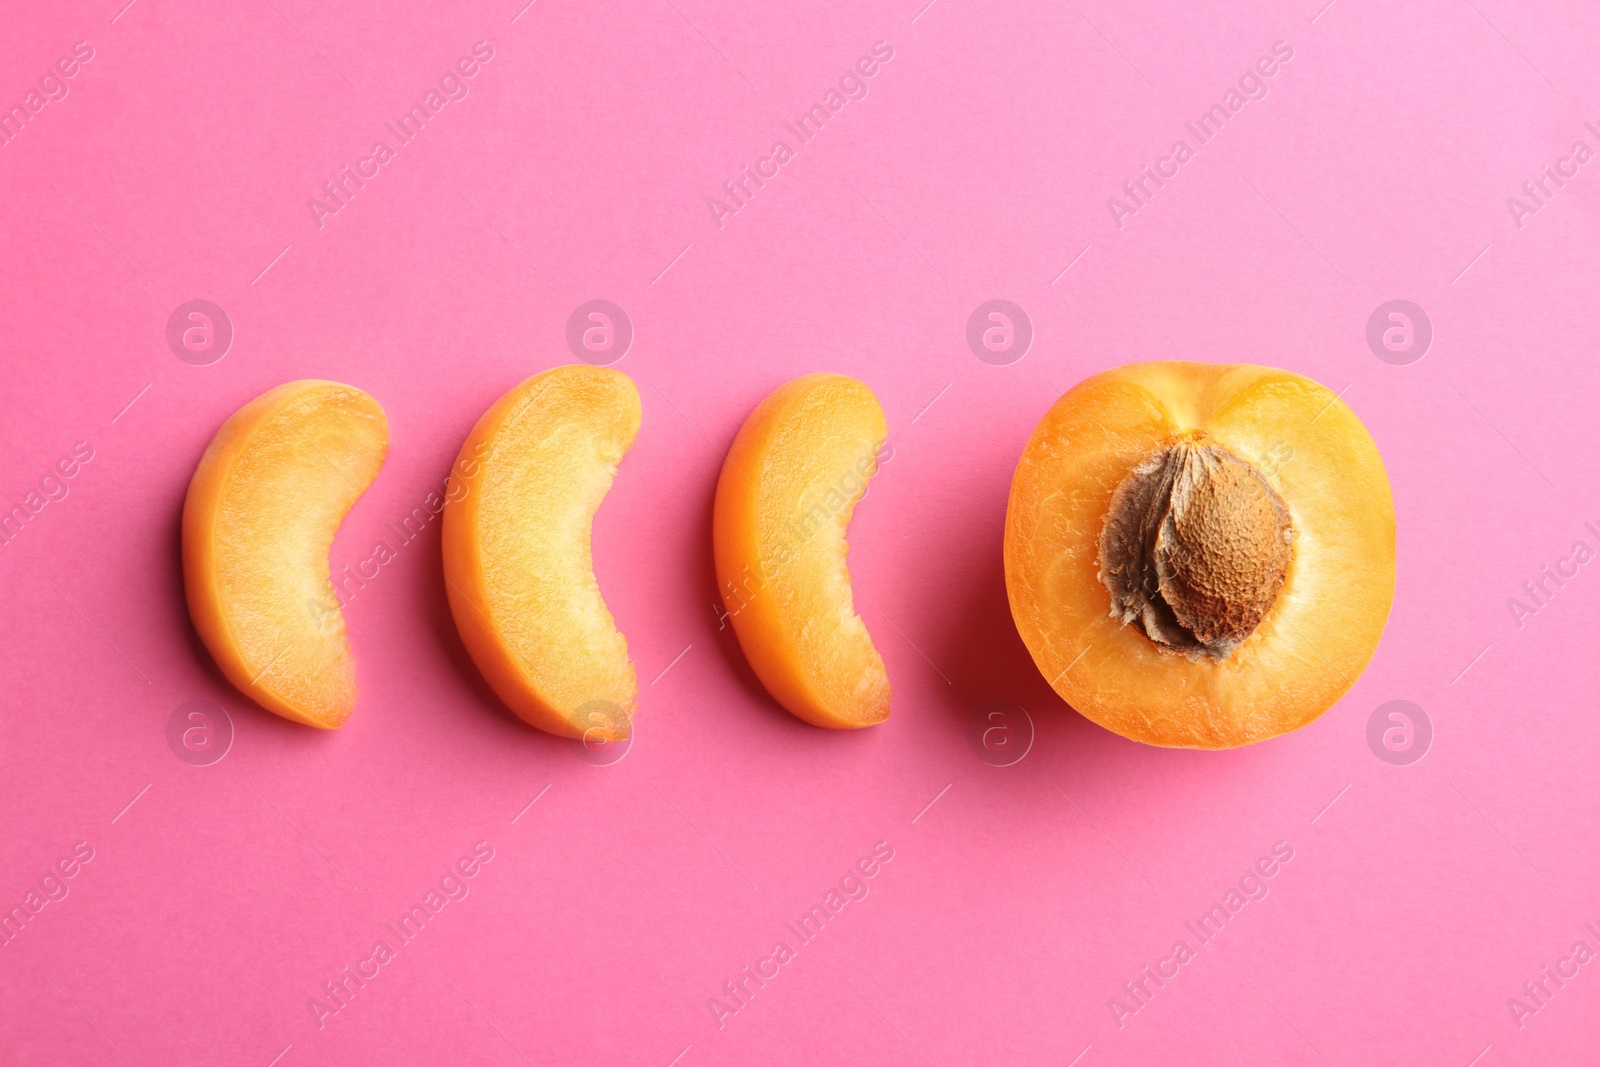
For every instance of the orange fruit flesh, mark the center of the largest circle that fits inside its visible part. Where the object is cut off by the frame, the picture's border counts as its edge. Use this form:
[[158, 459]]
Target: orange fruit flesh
[[517, 557], [260, 516], [784, 500], [1328, 616]]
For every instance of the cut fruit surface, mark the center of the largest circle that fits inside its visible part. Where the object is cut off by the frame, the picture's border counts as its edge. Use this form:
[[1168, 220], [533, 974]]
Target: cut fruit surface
[[260, 516], [517, 560], [784, 500], [1200, 555]]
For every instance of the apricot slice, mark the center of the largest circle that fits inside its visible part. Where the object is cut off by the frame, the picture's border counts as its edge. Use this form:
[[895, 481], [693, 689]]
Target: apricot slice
[[517, 563], [263, 506], [1200, 555], [784, 500]]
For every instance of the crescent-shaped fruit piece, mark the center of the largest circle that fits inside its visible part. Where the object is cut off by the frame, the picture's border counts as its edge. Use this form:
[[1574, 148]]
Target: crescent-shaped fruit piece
[[262, 509], [792, 479], [1200, 555], [517, 562]]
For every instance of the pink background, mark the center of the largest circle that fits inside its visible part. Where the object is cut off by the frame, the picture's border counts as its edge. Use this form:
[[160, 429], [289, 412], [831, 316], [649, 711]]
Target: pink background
[[978, 167]]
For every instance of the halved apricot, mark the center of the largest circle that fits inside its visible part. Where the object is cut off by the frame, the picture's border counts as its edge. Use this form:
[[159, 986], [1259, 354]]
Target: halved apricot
[[517, 562], [784, 500], [259, 518], [1200, 555]]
